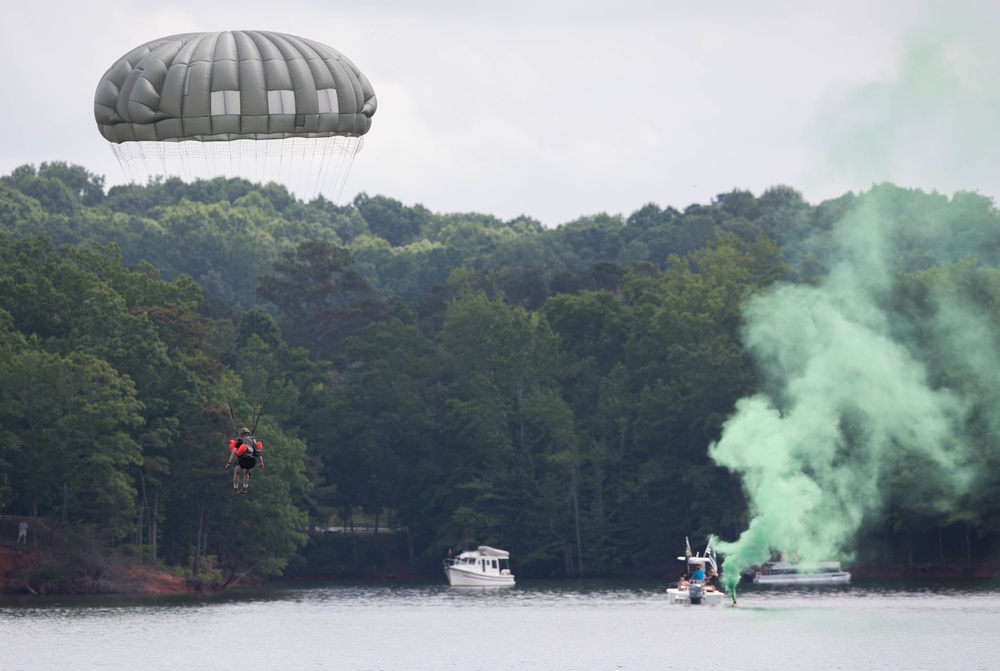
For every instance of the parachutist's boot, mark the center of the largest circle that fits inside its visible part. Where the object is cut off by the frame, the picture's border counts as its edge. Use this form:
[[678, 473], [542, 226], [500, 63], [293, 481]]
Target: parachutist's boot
[[244, 490], [235, 490]]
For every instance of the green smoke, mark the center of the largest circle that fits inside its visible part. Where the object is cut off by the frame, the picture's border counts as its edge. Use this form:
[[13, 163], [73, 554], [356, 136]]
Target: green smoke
[[932, 123], [849, 400], [862, 388]]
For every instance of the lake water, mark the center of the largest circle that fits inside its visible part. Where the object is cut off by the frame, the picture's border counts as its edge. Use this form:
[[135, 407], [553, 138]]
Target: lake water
[[583, 626]]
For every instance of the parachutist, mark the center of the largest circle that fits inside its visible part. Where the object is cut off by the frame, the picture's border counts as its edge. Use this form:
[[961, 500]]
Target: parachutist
[[246, 450]]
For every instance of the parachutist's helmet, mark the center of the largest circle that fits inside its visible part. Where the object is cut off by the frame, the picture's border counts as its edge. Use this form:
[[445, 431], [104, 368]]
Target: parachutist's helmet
[[244, 431]]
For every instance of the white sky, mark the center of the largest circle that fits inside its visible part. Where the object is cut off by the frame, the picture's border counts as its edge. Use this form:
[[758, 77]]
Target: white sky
[[561, 109]]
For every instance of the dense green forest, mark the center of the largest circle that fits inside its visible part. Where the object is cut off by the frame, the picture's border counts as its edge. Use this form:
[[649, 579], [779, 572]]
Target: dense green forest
[[450, 379]]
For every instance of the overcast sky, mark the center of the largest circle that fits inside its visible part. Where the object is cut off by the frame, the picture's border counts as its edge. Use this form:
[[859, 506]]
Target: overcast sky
[[558, 109]]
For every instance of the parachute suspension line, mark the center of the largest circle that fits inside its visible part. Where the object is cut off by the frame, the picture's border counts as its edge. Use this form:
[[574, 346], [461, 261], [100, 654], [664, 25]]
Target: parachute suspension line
[[302, 171], [244, 160], [315, 173], [258, 410], [254, 361], [273, 163], [310, 178], [307, 167], [232, 418], [335, 157], [218, 159], [255, 414], [299, 166], [314, 183], [221, 155], [265, 154], [135, 162], [192, 161], [285, 163], [160, 156], [345, 161], [124, 161], [238, 157], [317, 164]]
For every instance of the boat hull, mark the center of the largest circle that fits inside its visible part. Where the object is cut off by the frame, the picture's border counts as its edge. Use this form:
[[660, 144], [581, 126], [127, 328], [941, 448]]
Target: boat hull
[[841, 578], [681, 597], [461, 578]]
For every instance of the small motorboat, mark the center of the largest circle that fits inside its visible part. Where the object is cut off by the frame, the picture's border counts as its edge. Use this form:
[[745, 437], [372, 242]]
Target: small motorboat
[[482, 567], [694, 592]]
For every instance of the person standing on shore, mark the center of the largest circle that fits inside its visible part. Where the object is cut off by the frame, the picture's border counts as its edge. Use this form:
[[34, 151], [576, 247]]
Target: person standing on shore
[[22, 532]]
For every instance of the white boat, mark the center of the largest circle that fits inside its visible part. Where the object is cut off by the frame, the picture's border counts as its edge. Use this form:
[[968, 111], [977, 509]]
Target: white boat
[[482, 567], [817, 573], [695, 592]]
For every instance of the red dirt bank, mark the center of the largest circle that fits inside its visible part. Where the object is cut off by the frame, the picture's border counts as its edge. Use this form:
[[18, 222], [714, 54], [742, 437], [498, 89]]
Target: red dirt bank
[[23, 570]]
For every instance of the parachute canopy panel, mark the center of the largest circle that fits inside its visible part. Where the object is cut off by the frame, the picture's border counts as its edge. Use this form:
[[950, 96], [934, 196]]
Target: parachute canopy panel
[[232, 85]]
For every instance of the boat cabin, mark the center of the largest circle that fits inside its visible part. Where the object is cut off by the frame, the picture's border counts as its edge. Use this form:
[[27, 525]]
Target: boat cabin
[[482, 566]]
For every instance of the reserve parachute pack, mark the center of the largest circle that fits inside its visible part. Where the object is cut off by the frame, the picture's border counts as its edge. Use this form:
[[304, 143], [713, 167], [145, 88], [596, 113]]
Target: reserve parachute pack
[[251, 444]]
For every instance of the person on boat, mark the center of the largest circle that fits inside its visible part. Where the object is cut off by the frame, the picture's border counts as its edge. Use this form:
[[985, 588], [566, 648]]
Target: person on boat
[[685, 580], [711, 577], [699, 575], [246, 450]]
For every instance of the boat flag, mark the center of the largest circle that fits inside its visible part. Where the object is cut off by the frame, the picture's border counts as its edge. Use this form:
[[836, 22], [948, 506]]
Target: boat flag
[[710, 554], [687, 547]]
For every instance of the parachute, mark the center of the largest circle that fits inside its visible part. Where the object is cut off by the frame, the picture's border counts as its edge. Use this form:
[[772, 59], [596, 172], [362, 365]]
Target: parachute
[[259, 105]]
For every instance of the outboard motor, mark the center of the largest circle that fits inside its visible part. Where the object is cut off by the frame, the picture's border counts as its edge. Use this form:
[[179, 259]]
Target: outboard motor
[[695, 592]]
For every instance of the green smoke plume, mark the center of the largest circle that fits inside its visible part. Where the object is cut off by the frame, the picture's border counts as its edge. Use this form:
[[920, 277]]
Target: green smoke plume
[[931, 123], [850, 399], [857, 389]]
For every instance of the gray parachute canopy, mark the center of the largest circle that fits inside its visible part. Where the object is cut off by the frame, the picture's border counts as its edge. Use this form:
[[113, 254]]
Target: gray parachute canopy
[[232, 85]]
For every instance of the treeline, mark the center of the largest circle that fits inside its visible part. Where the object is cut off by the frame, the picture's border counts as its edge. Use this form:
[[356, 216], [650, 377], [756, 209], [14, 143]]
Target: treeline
[[455, 377]]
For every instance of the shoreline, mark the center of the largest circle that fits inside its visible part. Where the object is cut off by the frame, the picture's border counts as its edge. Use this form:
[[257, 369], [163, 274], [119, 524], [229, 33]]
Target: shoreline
[[25, 570]]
